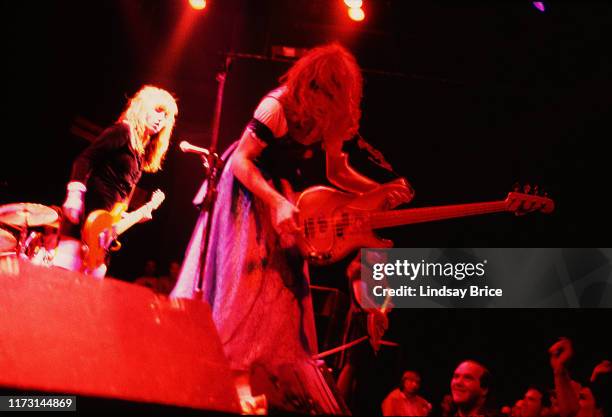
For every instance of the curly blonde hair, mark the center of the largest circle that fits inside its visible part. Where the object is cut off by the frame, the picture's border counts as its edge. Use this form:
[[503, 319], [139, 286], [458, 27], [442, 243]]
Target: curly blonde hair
[[152, 147], [324, 89]]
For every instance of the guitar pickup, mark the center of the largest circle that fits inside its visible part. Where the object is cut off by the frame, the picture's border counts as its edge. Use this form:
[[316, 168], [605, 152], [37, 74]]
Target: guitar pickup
[[322, 222], [342, 224], [339, 231], [309, 227]]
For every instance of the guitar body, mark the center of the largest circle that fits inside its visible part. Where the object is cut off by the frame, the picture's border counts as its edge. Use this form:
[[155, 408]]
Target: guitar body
[[98, 235], [335, 223], [102, 227]]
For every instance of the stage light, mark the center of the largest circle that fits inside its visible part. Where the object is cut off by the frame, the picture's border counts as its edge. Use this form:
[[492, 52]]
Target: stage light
[[539, 5], [356, 14], [198, 4], [354, 4]]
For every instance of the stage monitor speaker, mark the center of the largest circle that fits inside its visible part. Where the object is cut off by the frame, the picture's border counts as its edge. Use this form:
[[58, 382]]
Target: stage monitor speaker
[[64, 332]]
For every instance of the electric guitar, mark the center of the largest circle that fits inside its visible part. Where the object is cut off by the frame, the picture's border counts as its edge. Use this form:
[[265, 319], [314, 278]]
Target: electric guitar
[[102, 227], [333, 223]]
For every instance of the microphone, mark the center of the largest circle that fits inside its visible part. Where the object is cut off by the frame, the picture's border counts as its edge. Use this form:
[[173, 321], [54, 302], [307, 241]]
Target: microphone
[[189, 148]]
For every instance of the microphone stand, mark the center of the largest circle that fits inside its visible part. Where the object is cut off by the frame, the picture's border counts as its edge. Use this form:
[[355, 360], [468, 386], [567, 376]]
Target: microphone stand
[[213, 165]]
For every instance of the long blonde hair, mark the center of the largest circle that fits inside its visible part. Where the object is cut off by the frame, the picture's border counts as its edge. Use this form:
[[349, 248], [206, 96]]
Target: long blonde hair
[[324, 88], [152, 147]]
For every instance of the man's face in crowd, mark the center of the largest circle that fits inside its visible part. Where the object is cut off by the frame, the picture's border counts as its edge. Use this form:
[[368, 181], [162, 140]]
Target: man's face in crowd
[[465, 385], [411, 383], [532, 403]]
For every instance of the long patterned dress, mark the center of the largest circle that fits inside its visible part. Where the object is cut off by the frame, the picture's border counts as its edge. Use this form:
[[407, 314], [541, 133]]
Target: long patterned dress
[[258, 291]]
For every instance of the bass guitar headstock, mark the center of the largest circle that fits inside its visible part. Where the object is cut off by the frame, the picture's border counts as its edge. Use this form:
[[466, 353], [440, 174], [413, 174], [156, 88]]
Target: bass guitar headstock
[[527, 199]]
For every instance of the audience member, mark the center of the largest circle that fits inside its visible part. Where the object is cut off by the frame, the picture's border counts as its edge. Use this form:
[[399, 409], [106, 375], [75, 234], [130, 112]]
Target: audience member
[[404, 401]]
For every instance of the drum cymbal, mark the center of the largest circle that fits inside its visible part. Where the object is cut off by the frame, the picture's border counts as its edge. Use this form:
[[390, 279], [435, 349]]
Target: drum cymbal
[[7, 241], [27, 214]]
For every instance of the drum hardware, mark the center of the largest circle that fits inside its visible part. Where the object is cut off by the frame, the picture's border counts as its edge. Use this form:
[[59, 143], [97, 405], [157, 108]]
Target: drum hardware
[[26, 215], [8, 243], [35, 229]]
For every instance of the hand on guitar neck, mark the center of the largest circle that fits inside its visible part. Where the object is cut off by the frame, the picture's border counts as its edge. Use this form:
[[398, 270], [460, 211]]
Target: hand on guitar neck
[[140, 215], [147, 210], [397, 192]]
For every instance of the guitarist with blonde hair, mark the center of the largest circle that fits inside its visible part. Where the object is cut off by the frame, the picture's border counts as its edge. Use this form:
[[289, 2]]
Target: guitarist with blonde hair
[[105, 175]]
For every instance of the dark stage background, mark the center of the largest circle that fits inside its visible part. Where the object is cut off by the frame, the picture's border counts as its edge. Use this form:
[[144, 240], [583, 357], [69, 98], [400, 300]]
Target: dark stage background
[[463, 100]]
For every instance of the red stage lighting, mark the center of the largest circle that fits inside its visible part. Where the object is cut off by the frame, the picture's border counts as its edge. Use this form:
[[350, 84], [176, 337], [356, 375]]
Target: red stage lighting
[[198, 4], [356, 14], [354, 4]]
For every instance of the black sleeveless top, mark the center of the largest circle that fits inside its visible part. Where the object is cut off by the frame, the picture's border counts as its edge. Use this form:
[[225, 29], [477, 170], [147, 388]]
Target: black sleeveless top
[[287, 158]]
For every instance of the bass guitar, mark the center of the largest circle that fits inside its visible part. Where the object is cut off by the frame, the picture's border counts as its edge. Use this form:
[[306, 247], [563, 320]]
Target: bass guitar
[[333, 223]]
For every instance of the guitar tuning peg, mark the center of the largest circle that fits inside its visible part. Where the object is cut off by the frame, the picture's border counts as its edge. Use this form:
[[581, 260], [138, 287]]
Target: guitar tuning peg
[[526, 188], [516, 187], [535, 190]]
